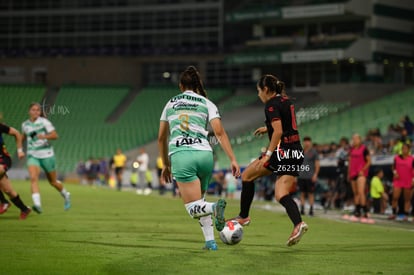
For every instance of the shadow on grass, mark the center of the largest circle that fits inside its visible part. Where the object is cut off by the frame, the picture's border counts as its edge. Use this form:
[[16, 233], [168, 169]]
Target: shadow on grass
[[149, 246]]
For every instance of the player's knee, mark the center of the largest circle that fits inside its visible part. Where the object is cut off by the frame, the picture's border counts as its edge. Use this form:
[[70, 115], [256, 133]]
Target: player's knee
[[279, 195], [246, 176]]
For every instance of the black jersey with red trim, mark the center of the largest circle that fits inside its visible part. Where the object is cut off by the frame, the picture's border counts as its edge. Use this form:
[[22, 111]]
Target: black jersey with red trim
[[4, 129], [281, 108]]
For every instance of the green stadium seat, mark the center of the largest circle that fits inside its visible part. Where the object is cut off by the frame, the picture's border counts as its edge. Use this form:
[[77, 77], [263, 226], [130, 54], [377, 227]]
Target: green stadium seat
[[14, 104]]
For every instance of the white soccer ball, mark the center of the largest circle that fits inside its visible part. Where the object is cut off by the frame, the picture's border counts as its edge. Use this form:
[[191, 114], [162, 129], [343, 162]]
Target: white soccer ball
[[232, 233]]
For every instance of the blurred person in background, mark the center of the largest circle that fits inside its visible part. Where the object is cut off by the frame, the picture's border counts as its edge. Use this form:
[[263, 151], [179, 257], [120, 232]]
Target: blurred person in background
[[230, 184], [377, 192], [92, 171], [359, 163], [408, 126], [342, 191], [103, 171], [160, 166], [404, 139], [307, 177], [118, 164], [403, 169], [219, 178], [143, 160], [81, 171]]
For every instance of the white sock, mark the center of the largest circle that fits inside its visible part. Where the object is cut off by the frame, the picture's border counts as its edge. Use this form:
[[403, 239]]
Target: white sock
[[64, 193], [199, 208], [206, 224], [36, 199]]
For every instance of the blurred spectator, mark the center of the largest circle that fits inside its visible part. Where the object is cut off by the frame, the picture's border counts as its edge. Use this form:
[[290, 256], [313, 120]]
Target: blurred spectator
[[392, 134], [377, 192], [374, 142], [359, 163], [143, 160], [309, 175], [404, 139], [81, 172], [408, 126], [230, 184], [403, 178], [133, 178], [118, 164], [103, 171], [160, 166], [342, 190], [219, 179], [92, 168]]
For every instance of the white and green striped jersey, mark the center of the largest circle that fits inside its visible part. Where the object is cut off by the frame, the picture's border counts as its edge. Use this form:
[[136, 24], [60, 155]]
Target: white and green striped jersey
[[188, 115], [38, 148]]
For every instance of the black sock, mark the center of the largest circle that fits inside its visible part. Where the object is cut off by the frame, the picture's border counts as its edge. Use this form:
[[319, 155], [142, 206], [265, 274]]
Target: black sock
[[18, 202], [394, 211], [365, 209], [246, 198], [291, 209], [357, 210], [3, 199], [311, 209]]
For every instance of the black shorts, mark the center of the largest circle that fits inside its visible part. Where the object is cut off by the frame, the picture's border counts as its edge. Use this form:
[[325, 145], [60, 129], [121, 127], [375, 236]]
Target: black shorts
[[287, 160], [376, 203], [118, 170], [6, 162], [306, 185]]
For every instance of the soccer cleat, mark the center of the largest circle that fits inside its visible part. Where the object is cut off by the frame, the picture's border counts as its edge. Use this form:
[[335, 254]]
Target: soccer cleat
[[218, 209], [240, 220], [67, 204], [401, 218], [24, 214], [147, 191], [367, 220], [345, 217], [37, 209], [297, 233], [211, 245], [354, 218], [391, 217], [4, 207]]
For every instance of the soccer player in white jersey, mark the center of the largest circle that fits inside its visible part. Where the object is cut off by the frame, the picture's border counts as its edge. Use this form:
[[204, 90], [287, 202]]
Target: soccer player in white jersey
[[38, 131], [187, 154]]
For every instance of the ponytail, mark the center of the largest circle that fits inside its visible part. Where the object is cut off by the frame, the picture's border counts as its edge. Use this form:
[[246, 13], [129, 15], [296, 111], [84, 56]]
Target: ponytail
[[190, 79], [272, 83]]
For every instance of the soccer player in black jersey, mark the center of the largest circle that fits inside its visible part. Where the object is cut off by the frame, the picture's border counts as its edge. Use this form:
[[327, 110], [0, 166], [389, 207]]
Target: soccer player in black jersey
[[5, 164], [284, 155]]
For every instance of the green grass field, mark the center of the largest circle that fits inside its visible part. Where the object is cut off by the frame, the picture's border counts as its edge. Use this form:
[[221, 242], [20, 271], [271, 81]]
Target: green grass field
[[110, 232]]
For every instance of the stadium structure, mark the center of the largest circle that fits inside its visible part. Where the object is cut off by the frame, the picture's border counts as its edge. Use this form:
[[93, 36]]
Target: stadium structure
[[103, 69]]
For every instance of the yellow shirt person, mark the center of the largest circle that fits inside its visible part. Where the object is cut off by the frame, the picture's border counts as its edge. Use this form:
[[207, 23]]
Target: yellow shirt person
[[119, 161]]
